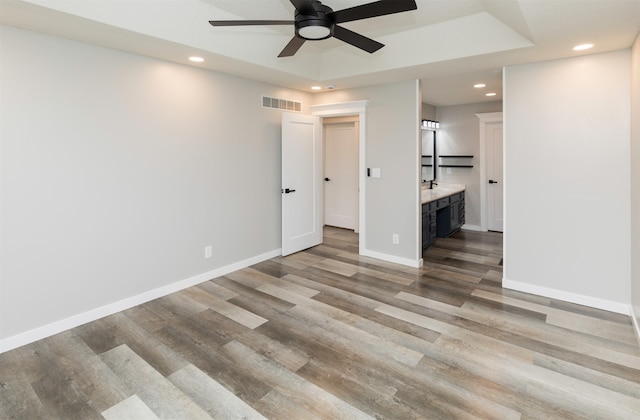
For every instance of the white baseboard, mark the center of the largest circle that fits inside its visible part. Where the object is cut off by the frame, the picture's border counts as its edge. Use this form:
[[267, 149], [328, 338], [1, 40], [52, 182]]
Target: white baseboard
[[592, 302], [112, 308], [473, 227], [634, 317], [392, 258]]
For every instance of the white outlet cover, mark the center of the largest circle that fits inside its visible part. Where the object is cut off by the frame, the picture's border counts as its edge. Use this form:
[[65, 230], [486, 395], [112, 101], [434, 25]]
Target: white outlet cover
[[376, 172]]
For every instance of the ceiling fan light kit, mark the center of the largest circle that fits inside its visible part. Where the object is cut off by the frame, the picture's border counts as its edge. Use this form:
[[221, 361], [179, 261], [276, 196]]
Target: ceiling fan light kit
[[313, 21], [314, 27], [314, 32]]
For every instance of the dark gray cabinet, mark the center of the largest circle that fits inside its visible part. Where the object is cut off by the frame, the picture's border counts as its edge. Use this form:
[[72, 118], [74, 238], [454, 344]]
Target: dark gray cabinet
[[441, 218]]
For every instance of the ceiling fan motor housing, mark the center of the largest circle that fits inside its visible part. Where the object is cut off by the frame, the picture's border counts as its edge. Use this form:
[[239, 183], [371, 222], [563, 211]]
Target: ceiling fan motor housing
[[315, 27]]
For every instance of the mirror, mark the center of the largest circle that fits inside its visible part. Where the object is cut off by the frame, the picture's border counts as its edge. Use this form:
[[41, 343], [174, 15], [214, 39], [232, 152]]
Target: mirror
[[428, 157]]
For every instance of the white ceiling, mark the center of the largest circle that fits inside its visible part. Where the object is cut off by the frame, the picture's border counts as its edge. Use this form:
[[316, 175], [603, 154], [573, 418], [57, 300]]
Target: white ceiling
[[448, 44]]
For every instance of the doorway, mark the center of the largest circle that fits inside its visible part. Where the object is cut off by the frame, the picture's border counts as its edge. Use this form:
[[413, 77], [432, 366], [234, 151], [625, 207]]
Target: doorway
[[359, 109], [341, 171]]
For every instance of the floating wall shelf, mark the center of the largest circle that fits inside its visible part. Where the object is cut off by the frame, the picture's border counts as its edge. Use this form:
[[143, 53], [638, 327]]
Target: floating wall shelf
[[456, 157], [425, 165]]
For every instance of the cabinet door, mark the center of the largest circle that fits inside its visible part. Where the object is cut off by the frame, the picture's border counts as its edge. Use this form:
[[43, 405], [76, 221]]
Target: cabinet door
[[455, 217], [425, 226], [432, 227], [428, 225]]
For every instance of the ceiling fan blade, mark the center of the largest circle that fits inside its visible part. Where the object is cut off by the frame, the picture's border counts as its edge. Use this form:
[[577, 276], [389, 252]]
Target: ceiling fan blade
[[377, 8], [357, 40], [292, 47], [304, 7], [249, 22]]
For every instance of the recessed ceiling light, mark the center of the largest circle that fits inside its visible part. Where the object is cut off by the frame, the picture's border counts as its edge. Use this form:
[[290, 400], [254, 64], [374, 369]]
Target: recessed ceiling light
[[479, 85], [316, 87], [490, 94], [196, 59], [582, 47]]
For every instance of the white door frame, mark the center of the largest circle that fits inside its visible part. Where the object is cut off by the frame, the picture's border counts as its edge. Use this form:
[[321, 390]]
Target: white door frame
[[485, 118], [352, 108]]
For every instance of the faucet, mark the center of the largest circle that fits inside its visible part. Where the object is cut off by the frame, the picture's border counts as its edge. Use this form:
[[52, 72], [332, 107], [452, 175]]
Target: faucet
[[431, 184]]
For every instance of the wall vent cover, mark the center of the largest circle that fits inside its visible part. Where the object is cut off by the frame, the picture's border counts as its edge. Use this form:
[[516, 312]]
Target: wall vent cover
[[285, 105]]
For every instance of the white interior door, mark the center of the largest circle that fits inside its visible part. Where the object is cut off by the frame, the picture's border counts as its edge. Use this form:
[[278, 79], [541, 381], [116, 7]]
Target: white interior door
[[494, 176], [341, 175], [302, 219]]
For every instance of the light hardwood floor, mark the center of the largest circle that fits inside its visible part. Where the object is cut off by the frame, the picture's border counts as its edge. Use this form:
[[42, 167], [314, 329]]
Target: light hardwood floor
[[328, 334]]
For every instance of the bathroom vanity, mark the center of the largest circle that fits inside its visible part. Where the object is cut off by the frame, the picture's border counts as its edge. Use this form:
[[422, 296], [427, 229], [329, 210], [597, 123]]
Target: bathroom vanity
[[442, 212]]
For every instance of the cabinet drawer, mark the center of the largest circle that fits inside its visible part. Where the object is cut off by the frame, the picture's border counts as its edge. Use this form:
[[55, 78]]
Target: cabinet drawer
[[429, 207], [455, 198], [442, 202]]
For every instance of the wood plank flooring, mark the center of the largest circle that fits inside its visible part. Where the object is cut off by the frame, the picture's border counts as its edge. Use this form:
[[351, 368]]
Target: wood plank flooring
[[327, 334]]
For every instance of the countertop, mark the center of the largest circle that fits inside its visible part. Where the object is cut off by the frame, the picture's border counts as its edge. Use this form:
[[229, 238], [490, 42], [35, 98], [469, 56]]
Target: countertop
[[439, 191]]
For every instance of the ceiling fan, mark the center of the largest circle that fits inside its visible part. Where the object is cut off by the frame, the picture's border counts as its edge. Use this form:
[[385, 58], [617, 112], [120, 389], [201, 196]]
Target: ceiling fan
[[315, 21]]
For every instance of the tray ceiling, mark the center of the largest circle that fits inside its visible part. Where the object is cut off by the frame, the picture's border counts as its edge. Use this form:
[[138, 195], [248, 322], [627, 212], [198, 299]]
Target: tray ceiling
[[446, 43]]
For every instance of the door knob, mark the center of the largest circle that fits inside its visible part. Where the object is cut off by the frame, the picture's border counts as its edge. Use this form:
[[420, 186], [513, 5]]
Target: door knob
[[491, 181], [327, 179]]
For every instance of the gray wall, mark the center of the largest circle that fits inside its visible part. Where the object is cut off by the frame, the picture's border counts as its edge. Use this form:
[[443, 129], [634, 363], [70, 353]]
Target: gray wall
[[567, 176], [635, 183], [428, 112], [392, 201], [118, 169], [459, 134]]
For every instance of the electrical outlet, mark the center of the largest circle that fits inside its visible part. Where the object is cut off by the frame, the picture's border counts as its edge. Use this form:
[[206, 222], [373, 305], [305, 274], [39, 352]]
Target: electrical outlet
[[396, 239], [448, 171], [208, 251]]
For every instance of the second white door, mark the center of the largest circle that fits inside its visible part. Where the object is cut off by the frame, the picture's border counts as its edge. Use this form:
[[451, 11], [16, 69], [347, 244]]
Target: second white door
[[341, 174], [494, 174]]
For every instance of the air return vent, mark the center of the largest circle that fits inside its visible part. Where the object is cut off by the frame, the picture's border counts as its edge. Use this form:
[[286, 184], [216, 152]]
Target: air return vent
[[282, 104]]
